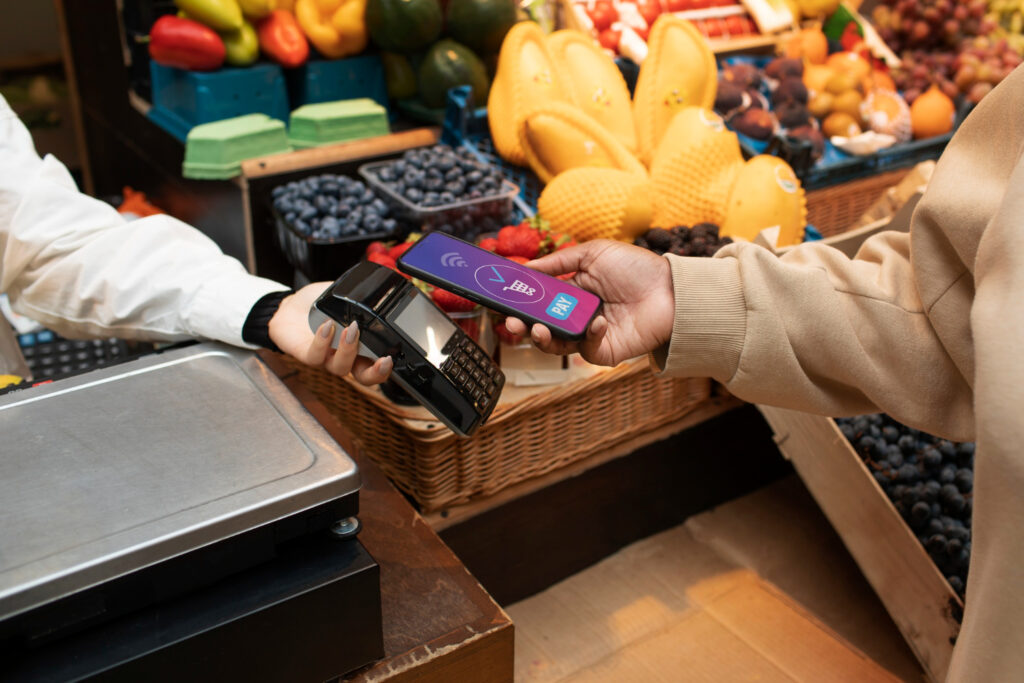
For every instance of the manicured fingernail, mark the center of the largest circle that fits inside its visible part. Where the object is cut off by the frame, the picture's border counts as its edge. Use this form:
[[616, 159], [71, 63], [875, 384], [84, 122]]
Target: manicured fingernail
[[385, 365], [326, 330], [351, 332]]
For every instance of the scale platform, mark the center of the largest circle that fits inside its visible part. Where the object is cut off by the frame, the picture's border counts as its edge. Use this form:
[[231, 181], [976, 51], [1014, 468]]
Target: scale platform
[[133, 486]]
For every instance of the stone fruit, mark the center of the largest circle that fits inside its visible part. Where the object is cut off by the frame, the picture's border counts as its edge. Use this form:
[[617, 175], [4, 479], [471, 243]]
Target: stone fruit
[[850, 63], [932, 114], [849, 102], [756, 123], [840, 123], [816, 76], [792, 89], [792, 114], [781, 67], [821, 104], [812, 136], [842, 82]]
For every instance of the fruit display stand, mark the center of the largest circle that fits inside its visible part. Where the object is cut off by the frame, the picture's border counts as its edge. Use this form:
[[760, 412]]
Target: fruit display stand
[[533, 430], [917, 596]]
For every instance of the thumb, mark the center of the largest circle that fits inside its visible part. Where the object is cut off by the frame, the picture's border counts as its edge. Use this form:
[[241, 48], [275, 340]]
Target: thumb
[[562, 261]]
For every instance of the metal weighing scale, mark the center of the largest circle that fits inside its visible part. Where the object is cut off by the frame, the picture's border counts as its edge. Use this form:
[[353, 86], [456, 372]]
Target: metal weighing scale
[[180, 516]]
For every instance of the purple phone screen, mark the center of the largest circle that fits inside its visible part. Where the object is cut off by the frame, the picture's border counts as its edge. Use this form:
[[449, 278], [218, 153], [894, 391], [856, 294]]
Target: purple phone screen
[[546, 298]]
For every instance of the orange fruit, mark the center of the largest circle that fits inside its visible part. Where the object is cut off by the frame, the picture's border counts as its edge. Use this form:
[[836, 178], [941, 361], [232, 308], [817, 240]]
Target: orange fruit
[[880, 80], [932, 113], [840, 123], [810, 44], [850, 63]]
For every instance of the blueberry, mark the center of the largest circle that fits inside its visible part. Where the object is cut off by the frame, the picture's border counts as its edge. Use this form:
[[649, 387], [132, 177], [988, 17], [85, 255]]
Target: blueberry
[[303, 227], [445, 164], [412, 179], [935, 526], [414, 195], [931, 491], [398, 168], [894, 455], [386, 174], [947, 474], [474, 177], [446, 228], [964, 480], [447, 198], [931, 457], [291, 216], [433, 184], [936, 544], [330, 223], [920, 512], [947, 449], [965, 454], [456, 187], [453, 174], [389, 224], [907, 443], [308, 212], [908, 472], [371, 221], [278, 191], [474, 194], [330, 187], [381, 207], [399, 187], [322, 204], [414, 160]]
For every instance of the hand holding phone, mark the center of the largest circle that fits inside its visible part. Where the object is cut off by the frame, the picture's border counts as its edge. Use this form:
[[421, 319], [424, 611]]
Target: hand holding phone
[[501, 284]]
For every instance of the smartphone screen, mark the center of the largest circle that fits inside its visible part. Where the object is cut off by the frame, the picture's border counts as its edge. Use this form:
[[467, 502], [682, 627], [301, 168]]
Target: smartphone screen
[[501, 284]]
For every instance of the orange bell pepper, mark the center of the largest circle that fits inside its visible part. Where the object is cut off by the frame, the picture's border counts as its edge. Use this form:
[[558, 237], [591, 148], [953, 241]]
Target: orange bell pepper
[[336, 28]]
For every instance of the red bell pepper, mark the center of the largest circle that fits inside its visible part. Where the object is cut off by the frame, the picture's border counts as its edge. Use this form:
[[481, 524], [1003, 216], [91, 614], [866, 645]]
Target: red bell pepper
[[282, 39], [185, 44]]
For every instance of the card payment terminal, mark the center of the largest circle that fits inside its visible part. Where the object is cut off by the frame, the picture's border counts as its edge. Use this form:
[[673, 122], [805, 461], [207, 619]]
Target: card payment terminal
[[434, 360]]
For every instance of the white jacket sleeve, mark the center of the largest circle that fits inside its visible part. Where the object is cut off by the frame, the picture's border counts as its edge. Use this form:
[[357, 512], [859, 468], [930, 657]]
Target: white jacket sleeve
[[77, 266]]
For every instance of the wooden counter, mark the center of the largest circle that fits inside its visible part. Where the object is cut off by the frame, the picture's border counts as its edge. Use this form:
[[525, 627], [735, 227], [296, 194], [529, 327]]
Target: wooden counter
[[439, 623]]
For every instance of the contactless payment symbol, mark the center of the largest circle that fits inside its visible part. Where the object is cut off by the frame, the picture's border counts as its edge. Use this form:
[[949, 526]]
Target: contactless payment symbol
[[562, 306], [453, 259], [509, 284]]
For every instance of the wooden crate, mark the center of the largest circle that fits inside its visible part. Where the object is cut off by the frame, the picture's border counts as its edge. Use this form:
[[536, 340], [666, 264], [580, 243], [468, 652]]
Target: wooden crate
[[917, 596]]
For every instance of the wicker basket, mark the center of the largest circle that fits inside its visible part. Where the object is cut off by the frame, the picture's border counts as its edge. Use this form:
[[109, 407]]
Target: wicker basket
[[834, 210], [525, 437]]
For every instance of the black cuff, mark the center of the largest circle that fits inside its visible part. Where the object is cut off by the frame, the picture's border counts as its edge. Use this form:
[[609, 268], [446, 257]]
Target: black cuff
[[256, 329]]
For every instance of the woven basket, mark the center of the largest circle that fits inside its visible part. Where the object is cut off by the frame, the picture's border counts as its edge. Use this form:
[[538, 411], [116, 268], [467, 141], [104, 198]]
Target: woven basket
[[834, 210], [522, 439]]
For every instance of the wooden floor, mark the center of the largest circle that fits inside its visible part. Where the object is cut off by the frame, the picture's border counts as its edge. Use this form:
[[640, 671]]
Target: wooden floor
[[759, 589]]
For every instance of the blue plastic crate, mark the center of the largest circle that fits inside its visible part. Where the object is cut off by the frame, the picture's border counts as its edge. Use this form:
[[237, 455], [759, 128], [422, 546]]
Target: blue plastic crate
[[466, 126], [337, 79], [183, 99]]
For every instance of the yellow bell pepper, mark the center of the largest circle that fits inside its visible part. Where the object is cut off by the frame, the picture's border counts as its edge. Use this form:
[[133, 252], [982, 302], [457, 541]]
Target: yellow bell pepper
[[287, 5], [337, 28], [256, 9]]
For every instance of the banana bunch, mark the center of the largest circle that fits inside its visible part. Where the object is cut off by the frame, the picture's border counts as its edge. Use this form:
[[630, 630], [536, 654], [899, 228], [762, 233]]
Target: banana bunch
[[1008, 15]]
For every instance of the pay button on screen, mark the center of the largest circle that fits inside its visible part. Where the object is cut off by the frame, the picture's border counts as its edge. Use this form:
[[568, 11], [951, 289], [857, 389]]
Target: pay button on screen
[[562, 306]]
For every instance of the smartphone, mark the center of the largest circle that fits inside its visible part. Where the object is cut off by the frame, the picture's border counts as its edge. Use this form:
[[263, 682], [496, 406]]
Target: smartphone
[[503, 285]]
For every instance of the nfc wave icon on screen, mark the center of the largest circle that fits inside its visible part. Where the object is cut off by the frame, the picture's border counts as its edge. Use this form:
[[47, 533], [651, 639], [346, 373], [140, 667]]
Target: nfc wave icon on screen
[[453, 259]]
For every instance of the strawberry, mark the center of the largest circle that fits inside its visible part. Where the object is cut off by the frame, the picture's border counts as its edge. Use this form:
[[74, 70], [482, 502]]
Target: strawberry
[[489, 243], [518, 259], [566, 245], [376, 247], [519, 240], [399, 249], [450, 302], [505, 336], [382, 259], [553, 241]]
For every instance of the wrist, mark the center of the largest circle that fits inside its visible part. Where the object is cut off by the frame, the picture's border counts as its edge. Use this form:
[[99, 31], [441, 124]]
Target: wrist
[[256, 329]]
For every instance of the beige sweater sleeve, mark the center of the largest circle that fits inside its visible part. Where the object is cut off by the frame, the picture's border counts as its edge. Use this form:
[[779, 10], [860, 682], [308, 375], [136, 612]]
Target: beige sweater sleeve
[[819, 332]]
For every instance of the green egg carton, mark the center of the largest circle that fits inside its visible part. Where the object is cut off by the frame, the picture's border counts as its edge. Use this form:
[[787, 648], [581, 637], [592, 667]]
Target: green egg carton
[[312, 125], [215, 151]]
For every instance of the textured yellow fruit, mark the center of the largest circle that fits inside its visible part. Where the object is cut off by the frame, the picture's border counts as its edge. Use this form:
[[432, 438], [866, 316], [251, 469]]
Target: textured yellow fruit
[[679, 72], [766, 193], [595, 84], [597, 203], [693, 170], [524, 78], [557, 137]]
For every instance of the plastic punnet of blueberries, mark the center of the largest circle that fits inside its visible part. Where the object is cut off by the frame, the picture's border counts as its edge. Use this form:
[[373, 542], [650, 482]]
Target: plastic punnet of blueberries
[[439, 176], [329, 208], [929, 481]]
